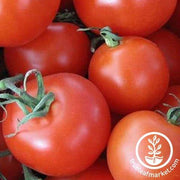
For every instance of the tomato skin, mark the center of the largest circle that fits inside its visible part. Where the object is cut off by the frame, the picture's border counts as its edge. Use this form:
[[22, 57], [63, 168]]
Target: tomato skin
[[169, 99], [71, 136], [126, 17], [169, 44], [9, 166], [121, 151], [132, 76], [99, 170], [59, 49], [26, 20], [173, 23]]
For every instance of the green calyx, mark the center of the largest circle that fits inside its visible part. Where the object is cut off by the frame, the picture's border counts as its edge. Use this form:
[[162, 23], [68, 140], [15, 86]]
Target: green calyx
[[4, 153], [111, 39], [31, 106]]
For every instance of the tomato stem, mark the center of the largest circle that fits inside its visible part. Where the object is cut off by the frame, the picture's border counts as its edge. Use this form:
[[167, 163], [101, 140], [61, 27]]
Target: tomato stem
[[4, 153], [31, 106]]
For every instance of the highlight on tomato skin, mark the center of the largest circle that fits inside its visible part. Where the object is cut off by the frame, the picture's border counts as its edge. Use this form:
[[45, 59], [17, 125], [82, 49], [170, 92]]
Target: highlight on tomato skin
[[59, 49], [169, 44], [98, 171], [24, 20]]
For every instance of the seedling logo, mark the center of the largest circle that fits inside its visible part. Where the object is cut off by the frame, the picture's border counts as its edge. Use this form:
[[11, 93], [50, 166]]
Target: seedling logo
[[154, 150]]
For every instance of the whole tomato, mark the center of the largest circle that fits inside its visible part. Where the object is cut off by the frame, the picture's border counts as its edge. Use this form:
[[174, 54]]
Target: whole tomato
[[144, 146], [70, 137], [132, 75], [59, 49], [173, 23], [9, 166], [23, 20], [169, 44], [98, 171], [171, 99], [126, 17]]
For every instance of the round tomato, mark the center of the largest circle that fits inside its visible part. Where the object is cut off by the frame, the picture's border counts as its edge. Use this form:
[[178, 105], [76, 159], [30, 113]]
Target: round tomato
[[9, 166], [173, 24], [70, 137], [132, 76], [169, 44], [126, 17], [170, 99], [59, 49], [98, 171], [23, 20], [143, 145]]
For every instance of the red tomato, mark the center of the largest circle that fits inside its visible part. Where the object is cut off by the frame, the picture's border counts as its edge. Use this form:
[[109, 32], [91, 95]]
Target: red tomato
[[9, 167], [70, 137], [169, 44], [23, 20], [66, 4], [132, 76], [98, 171], [59, 49], [143, 145], [173, 24], [170, 99], [126, 17]]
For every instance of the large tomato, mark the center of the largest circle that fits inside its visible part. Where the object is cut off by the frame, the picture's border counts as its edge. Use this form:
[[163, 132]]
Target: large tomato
[[9, 166], [169, 44], [70, 137], [132, 76], [144, 146], [173, 24], [126, 17], [59, 49], [23, 20], [98, 171]]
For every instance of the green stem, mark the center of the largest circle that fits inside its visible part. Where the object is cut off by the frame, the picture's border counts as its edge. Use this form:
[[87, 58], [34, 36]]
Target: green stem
[[4, 153], [39, 106], [2, 177]]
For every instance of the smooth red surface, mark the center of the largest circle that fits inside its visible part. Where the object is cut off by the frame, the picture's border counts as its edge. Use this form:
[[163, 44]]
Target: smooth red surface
[[126, 17], [98, 171], [132, 76], [121, 151], [24, 20], [71, 136], [59, 49], [169, 44]]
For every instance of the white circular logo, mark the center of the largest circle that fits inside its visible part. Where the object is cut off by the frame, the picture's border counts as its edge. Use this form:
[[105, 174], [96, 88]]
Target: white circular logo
[[154, 150]]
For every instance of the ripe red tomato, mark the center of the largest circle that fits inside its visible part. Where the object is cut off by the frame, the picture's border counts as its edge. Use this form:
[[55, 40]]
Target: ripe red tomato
[[9, 166], [143, 145], [173, 24], [170, 99], [98, 171], [59, 49], [66, 4], [132, 76], [23, 20], [70, 137], [126, 17], [169, 44]]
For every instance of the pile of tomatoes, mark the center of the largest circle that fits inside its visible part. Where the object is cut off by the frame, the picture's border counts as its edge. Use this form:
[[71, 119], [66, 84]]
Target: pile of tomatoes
[[90, 90]]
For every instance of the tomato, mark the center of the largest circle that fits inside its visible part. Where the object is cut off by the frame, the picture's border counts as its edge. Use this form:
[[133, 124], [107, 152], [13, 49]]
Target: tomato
[[143, 145], [173, 23], [99, 170], [132, 76], [59, 49], [169, 44], [70, 137], [126, 17], [9, 166], [23, 20], [169, 99], [66, 4]]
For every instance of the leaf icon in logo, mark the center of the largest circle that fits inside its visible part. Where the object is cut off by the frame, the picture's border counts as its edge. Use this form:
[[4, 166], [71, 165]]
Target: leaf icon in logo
[[150, 147]]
